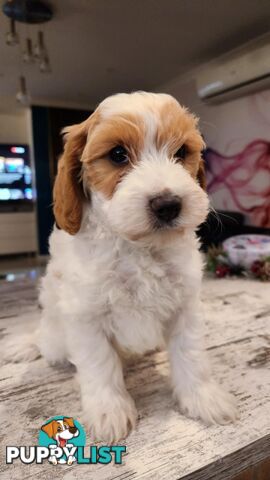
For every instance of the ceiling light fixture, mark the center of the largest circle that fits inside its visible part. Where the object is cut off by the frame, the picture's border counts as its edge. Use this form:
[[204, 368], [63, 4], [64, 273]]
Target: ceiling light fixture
[[41, 54], [28, 56], [28, 11], [12, 37], [22, 95], [40, 50], [44, 65]]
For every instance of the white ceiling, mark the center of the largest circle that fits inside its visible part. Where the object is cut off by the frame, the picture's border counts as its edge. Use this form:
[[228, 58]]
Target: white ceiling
[[98, 47]]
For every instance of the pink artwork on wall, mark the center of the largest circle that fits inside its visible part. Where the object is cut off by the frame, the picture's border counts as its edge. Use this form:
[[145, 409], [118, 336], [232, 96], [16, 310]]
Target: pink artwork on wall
[[241, 182]]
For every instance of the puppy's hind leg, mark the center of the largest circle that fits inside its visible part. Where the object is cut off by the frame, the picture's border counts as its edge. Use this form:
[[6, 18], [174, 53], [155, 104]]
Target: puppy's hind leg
[[20, 348]]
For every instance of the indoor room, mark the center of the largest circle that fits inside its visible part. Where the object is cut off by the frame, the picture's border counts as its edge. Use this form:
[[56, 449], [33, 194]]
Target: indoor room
[[135, 239]]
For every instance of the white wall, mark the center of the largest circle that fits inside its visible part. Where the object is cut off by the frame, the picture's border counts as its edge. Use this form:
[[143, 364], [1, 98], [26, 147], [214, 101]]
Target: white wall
[[238, 133], [229, 126], [14, 127]]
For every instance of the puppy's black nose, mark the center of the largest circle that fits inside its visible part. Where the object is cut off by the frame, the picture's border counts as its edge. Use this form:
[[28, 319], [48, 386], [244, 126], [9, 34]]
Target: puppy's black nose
[[165, 207], [73, 429]]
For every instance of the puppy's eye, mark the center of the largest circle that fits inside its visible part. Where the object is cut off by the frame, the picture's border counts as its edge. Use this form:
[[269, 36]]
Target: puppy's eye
[[59, 429], [181, 152], [119, 155]]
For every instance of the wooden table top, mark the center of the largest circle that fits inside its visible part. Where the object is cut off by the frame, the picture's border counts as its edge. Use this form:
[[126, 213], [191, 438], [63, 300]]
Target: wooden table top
[[165, 444]]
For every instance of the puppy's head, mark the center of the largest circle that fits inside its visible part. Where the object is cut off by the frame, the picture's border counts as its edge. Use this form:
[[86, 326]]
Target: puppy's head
[[61, 430], [137, 163]]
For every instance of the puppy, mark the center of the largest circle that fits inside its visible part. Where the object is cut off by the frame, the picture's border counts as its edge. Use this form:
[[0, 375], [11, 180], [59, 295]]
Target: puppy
[[125, 271], [61, 431]]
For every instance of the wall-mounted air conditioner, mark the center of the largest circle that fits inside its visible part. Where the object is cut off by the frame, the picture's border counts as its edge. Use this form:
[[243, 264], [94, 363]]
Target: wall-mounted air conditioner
[[237, 73]]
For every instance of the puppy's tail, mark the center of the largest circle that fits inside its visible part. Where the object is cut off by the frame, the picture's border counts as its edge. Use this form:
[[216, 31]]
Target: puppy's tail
[[21, 348]]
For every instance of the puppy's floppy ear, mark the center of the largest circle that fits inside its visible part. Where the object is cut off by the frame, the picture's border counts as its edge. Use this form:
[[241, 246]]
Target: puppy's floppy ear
[[201, 175], [49, 428], [69, 421], [68, 193]]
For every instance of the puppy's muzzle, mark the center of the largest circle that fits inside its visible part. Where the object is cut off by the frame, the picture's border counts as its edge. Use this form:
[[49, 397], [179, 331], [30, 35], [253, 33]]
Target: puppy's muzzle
[[165, 207]]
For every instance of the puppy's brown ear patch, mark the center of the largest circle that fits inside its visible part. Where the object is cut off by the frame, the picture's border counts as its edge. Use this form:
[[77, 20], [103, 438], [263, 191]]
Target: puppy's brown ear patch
[[201, 175], [49, 428], [69, 421], [68, 192]]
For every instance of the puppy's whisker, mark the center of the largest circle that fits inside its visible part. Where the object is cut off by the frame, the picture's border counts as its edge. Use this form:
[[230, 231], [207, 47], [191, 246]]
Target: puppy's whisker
[[228, 216], [217, 217]]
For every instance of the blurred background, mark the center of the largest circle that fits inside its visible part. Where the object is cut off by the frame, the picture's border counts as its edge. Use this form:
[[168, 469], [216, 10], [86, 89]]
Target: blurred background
[[60, 58]]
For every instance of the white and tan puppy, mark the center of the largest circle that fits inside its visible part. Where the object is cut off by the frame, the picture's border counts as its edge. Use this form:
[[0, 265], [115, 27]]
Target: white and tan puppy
[[125, 271]]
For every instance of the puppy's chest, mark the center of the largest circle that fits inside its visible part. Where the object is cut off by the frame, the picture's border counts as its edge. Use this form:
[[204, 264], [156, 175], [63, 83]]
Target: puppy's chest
[[144, 295], [148, 282]]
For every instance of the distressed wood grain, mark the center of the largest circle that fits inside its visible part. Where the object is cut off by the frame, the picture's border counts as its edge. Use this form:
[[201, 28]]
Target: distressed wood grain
[[165, 445]]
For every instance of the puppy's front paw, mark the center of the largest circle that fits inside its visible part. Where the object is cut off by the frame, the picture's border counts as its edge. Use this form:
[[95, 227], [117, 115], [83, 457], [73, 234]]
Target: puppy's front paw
[[112, 419], [209, 402]]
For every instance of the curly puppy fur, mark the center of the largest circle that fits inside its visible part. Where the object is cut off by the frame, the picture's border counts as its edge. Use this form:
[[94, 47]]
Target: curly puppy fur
[[120, 279]]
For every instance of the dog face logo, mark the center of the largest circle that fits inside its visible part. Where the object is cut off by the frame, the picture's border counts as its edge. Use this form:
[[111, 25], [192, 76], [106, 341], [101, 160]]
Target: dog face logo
[[64, 433], [61, 430]]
